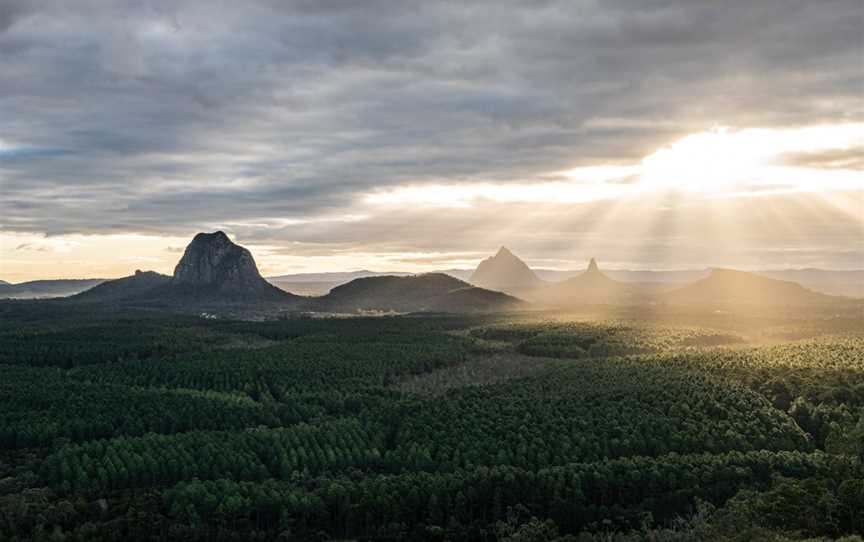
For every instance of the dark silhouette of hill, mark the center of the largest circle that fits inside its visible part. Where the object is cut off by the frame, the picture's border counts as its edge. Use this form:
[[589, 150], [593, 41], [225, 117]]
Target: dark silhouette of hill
[[588, 288], [46, 288], [141, 284], [730, 287], [504, 272], [433, 292], [213, 271]]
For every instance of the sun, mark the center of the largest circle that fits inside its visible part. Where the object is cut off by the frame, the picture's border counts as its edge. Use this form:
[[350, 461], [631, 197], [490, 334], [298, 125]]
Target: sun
[[722, 160]]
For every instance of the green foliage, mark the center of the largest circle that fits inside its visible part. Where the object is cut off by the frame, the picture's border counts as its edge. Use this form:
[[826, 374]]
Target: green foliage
[[599, 339], [619, 493], [257, 454], [42, 405], [145, 426], [590, 410], [313, 363]]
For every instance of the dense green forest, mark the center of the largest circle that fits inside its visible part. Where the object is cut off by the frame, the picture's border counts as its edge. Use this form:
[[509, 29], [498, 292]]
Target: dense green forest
[[118, 425]]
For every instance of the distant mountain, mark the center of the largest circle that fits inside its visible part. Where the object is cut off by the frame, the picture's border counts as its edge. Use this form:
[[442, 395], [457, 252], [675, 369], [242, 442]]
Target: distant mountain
[[433, 292], [844, 283], [588, 288], [305, 288], [738, 288], [335, 276], [141, 284], [36, 289], [504, 272], [212, 272]]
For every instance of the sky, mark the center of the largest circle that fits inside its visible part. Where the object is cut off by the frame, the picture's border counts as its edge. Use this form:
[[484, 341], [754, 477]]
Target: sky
[[413, 136]]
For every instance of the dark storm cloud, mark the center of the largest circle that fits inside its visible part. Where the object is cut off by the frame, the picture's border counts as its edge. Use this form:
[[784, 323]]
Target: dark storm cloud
[[169, 117]]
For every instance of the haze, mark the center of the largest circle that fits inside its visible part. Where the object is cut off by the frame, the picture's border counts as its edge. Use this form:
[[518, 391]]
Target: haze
[[416, 136]]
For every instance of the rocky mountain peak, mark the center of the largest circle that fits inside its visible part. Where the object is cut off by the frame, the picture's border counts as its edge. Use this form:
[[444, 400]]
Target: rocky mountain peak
[[212, 263]]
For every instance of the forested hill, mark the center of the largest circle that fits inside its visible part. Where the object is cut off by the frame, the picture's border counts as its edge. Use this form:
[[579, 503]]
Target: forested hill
[[433, 292]]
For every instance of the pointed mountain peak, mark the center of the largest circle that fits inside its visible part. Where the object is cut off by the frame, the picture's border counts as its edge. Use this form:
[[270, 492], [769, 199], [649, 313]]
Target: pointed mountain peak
[[504, 271], [592, 266]]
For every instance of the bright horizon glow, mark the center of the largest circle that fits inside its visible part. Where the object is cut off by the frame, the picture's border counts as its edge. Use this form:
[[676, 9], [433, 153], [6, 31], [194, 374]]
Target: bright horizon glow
[[714, 163]]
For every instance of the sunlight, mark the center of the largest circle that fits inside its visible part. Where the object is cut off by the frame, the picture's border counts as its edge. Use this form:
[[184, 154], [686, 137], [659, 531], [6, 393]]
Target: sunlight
[[721, 160], [715, 163]]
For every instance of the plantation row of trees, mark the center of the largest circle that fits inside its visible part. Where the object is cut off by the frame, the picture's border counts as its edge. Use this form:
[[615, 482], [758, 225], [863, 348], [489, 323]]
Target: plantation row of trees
[[590, 410], [257, 454], [599, 339], [819, 383], [618, 493], [393, 429], [299, 366], [71, 339], [43, 405]]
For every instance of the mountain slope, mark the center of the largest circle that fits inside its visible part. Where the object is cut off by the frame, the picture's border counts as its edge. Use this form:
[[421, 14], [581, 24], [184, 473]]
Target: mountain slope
[[142, 283], [434, 292], [504, 272], [590, 287], [730, 287]]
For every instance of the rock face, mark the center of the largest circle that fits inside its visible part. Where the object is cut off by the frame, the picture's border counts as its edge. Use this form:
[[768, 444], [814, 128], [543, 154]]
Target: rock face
[[213, 266], [504, 272]]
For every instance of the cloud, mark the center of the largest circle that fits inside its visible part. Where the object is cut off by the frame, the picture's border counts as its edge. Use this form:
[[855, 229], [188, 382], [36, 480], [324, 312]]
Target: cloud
[[33, 247], [849, 159], [174, 118]]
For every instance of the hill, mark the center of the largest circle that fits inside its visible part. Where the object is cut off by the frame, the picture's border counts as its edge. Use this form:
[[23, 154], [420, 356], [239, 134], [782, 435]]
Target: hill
[[730, 287], [141, 284], [591, 287], [504, 272], [433, 292], [36, 289], [213, 271]]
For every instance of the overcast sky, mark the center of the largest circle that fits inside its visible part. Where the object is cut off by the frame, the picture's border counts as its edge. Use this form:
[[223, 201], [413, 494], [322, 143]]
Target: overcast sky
[[405, 135]]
